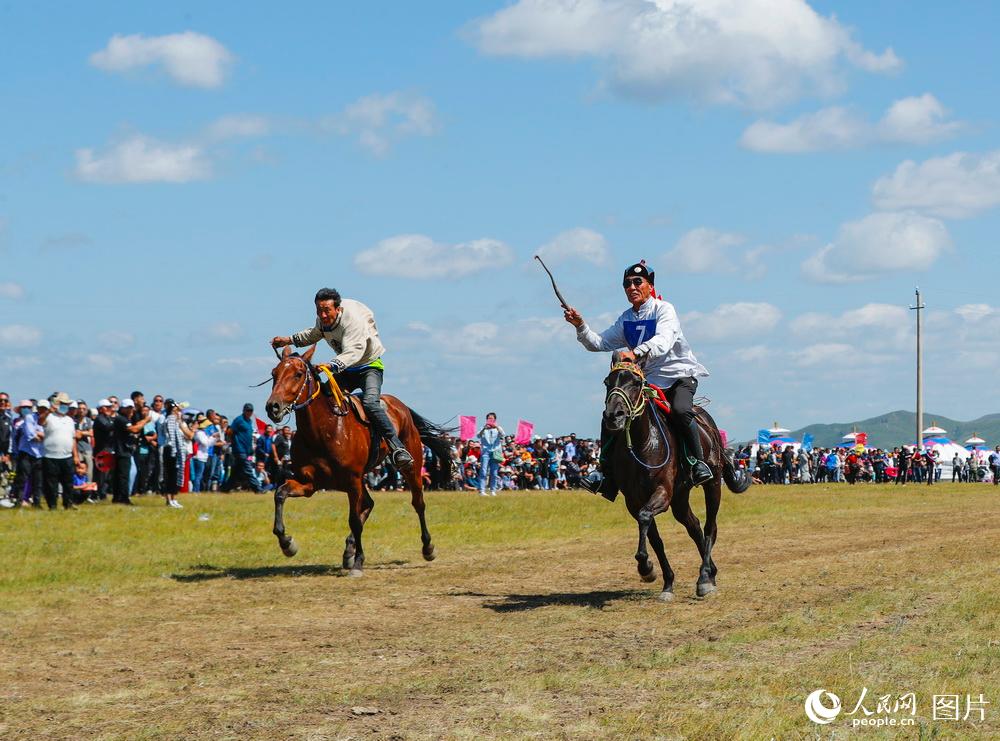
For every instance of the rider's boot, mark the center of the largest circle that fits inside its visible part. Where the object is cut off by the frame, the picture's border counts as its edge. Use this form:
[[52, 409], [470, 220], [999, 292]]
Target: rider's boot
[[602, 481], [700, 472], [399, 456]]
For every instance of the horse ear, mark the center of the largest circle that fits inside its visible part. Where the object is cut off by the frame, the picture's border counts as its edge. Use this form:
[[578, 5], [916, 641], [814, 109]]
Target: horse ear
[[308, 354], [286, 352]]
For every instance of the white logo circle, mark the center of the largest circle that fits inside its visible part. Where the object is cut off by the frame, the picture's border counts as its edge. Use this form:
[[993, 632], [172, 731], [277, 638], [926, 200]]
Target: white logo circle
[[820, 713], [636, 270]]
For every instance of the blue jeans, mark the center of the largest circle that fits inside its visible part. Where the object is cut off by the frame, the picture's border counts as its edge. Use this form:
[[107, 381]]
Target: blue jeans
[[243, 470], [488, 468], [197, 471], [213, 468]]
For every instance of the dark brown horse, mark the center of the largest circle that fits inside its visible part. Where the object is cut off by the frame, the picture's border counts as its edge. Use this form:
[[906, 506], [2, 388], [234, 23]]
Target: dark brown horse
[[331, 450], [648, 468]]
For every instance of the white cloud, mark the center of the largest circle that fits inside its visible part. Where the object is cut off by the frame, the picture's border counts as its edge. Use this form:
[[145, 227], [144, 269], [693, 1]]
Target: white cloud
[[956, 186], [755, 53], [19, 335], [877, 244], [575, 244], [379, 120], [823, 354], [13, 291], [190, 59], [238, 126], [731, 321], [419, 256], [915, 120], [704, 250], [869, 316], [140, 159], [975, 312]]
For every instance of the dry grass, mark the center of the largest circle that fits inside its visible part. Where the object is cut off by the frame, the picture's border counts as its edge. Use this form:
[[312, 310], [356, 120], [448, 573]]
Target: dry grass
[[153, 624]]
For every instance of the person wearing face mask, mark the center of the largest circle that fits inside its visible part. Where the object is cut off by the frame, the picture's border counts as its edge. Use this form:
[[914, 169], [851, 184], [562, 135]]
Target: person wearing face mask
[[59, 449], [26, 444]]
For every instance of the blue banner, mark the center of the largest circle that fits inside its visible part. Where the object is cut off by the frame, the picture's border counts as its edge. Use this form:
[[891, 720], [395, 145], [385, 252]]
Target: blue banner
[[807, 443], [763, 437]]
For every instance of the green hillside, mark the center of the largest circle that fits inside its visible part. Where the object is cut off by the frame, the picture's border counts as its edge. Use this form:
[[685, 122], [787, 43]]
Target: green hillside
[[897, 428]]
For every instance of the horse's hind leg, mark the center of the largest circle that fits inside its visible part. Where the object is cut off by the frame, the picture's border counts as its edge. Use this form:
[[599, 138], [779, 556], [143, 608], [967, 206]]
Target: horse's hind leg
[[683, 514], [356, 507], [367, 505], [661, 555], [713, 499], [417, 500]]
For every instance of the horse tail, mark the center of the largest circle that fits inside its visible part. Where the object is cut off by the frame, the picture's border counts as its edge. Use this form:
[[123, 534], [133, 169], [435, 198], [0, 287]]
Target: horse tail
[[737, 481], [437, 438]]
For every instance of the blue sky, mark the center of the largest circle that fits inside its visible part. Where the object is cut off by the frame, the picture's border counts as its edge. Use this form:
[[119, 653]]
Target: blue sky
[[176, 181]]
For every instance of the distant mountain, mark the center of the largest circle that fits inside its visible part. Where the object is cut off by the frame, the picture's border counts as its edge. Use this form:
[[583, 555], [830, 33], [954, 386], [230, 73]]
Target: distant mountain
[[898, 428]]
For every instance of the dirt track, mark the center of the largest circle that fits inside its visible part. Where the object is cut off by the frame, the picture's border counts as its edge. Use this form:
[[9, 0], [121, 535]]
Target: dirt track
[[532, 623]]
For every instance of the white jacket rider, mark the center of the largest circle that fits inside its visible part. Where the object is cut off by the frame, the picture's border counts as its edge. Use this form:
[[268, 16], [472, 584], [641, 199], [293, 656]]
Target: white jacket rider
[[650, 333]]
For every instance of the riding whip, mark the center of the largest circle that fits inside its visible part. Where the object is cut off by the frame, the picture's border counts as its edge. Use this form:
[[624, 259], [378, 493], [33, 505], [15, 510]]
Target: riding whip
[[555, 288]]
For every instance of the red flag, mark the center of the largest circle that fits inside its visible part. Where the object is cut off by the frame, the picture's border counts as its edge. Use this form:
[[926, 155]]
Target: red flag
[[861, 438], [261, 425]]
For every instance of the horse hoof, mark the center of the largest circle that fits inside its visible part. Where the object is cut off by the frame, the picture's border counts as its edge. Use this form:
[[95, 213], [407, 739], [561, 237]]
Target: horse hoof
[[348, 562], [291, 549], [429, 554], [356, 573], [666, 596], [706, 590], [650, 577]]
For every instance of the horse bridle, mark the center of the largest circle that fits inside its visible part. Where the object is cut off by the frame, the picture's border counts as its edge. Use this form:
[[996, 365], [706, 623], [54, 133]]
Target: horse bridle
[[634, 410]]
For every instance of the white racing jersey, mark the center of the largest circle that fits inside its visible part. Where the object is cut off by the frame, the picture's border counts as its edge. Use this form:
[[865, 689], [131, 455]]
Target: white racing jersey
[[654, 334]]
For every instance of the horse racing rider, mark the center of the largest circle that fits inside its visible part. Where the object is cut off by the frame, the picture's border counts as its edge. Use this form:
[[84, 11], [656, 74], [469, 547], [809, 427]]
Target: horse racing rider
[[652, 335], [349, 328]]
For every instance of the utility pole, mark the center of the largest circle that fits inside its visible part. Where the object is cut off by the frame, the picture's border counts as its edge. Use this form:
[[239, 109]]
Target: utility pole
[[920, 373]]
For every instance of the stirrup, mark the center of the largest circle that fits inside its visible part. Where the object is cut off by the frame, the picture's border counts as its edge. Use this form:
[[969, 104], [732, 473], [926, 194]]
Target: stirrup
[[401, 458], [700, 473]]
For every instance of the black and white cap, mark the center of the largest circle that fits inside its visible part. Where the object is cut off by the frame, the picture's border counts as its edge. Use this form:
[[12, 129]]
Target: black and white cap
[[640, 270]]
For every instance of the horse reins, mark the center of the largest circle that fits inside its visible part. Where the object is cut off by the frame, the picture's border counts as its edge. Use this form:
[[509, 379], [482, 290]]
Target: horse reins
[[634, 410]]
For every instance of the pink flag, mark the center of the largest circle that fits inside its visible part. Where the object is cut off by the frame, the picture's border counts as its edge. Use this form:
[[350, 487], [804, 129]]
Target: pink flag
[[466, 427], [524, 431], [725, 438]]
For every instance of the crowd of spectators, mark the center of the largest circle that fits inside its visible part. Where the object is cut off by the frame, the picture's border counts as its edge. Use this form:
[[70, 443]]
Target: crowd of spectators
[[62, 448], [786, 465]]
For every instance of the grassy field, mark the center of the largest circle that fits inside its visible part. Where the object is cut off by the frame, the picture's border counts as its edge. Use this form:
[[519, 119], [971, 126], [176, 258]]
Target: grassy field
[[149, 623]]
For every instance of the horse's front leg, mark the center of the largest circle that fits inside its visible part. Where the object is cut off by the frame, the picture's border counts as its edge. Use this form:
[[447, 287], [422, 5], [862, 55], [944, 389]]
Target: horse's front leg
[[647, 572], [290, 488]]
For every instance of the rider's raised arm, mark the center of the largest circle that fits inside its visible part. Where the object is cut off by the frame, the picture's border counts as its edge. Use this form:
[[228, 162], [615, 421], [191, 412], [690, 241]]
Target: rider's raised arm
[[354, 342], [308, 336], [613, 338], [668, 328]]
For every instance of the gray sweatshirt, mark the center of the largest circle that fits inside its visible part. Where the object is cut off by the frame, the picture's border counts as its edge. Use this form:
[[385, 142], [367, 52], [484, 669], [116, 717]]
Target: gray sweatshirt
[[354, 337]]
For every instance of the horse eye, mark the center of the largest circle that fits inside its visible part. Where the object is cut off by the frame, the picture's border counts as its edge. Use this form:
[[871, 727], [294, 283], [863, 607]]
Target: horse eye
[[299, 374]]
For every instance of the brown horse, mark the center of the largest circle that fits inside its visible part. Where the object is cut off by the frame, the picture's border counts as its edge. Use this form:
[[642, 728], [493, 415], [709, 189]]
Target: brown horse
[[650, 474], [332, 448]]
